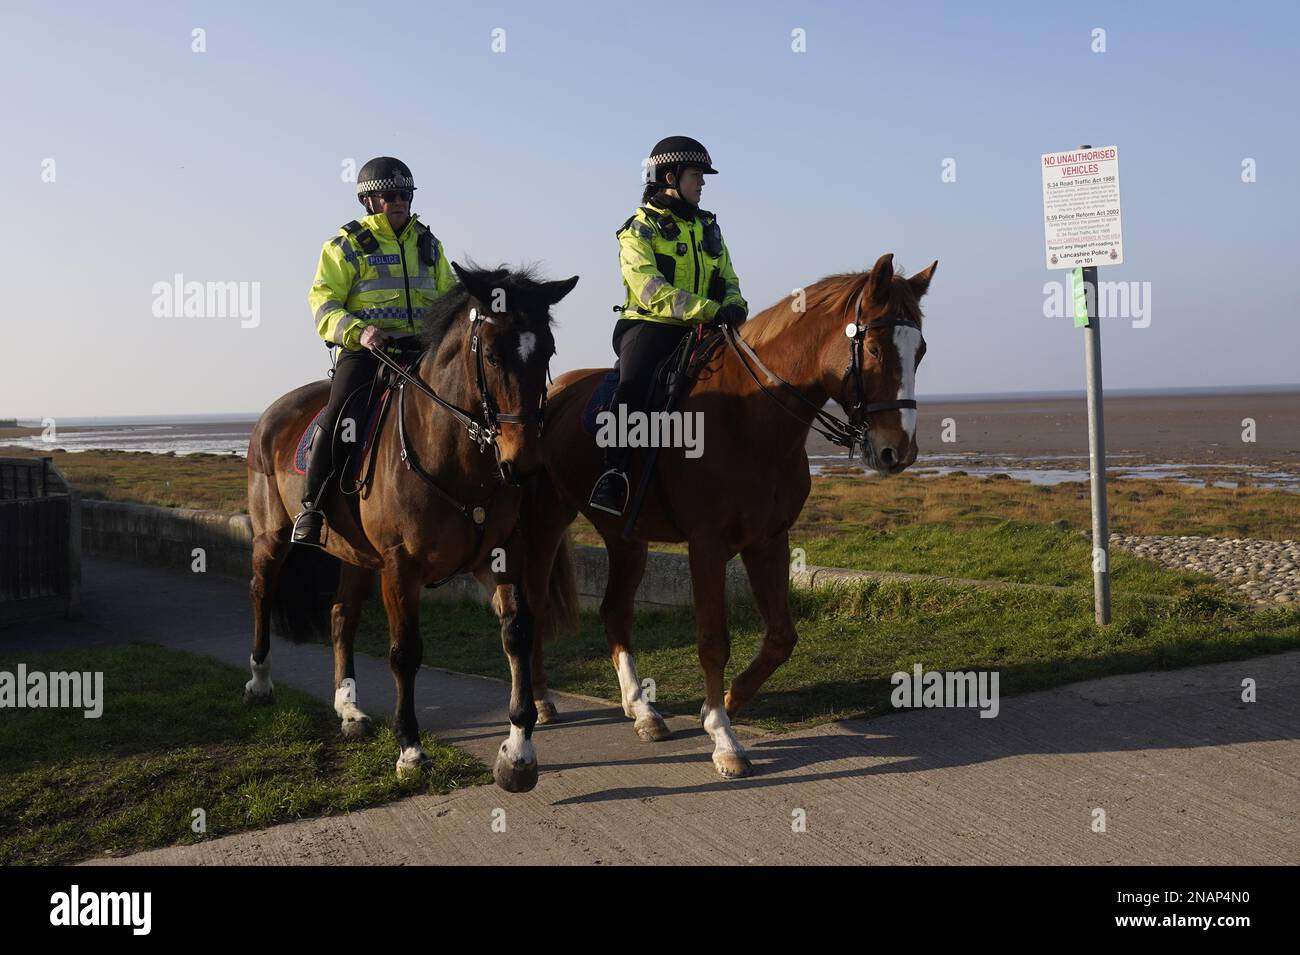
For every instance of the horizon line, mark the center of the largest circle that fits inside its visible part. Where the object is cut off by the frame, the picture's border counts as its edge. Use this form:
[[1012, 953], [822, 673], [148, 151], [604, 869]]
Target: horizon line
[[1027, 395]]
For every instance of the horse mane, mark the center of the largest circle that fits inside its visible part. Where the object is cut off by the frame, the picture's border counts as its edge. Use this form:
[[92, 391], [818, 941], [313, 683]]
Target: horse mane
[[835, 294], [527, 312]]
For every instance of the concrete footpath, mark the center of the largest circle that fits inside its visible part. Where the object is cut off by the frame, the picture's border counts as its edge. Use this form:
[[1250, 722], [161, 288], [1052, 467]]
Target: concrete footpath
[[1184, 771]]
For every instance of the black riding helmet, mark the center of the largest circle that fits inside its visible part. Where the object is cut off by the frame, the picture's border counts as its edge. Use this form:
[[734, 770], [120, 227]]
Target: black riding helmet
[[671, 155], [382, 174]]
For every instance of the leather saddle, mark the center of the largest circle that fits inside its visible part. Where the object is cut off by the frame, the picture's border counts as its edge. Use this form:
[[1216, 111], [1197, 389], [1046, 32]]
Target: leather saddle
[[673, 380], [367, 405]]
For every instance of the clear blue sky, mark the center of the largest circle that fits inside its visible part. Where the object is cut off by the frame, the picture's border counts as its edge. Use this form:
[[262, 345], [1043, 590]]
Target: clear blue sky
[[225, 166]]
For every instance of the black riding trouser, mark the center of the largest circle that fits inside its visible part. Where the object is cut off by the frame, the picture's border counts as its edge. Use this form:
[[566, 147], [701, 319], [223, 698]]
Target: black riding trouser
[[641, 346], [353, 370], [356, 368]]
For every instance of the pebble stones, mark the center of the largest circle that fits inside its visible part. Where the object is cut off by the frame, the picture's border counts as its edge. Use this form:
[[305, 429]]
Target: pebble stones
[[1266, 572]]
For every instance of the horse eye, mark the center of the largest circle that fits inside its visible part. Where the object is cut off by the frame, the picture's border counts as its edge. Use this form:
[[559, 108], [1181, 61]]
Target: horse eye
[[874, 351], [493, 360]]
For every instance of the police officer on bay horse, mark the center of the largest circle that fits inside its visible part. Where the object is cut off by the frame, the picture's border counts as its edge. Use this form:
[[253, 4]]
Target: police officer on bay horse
[[678, 275], [373, 286]]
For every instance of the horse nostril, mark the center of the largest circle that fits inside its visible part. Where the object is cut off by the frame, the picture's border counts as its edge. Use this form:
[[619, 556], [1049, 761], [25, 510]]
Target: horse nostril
[[888, 457], [507, 472]]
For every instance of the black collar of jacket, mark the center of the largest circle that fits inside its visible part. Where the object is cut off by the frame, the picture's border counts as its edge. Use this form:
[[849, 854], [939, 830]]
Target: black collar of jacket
[[677, 206]]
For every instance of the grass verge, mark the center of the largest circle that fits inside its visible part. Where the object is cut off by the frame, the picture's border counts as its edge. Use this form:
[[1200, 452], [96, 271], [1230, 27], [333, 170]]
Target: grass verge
[[1012, 551], [174, 737]]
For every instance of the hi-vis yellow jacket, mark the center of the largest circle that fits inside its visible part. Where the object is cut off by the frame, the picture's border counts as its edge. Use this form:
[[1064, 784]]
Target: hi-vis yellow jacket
[[368, 276], [671, 265]]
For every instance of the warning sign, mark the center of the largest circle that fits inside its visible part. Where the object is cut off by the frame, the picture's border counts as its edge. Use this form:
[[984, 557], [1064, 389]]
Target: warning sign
[[1081, 208]]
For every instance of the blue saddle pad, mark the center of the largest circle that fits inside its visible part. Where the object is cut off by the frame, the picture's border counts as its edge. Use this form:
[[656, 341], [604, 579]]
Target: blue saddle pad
[[600, 401], [300, 456], [354, 461]]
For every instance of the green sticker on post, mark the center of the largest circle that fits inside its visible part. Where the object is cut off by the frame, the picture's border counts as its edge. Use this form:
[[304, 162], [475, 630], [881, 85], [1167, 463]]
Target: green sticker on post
[[1080, 299]]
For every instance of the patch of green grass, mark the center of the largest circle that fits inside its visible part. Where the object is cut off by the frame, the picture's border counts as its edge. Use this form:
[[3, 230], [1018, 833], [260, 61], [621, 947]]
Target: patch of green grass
[[217, 482], [175, 736], [1005, 550], [852, 638]]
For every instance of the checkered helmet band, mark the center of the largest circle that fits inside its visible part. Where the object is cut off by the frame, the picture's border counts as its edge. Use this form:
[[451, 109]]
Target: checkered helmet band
[[384, 185], [670, 158]]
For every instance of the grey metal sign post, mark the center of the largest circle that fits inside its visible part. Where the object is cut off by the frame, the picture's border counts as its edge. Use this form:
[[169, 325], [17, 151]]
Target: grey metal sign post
[[1096, 452], [1081, 219]]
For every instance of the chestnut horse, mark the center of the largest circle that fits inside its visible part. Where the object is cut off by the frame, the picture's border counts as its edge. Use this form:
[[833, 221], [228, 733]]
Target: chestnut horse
[[759, 396], [436, 505]]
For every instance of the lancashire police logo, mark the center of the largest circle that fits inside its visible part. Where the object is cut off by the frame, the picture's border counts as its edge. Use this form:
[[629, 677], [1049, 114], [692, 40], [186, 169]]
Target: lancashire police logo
[[383, 259]]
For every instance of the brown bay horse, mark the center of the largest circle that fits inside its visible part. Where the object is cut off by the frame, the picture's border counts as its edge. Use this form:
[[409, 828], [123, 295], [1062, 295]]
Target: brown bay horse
[[853, 338], [454, 449]]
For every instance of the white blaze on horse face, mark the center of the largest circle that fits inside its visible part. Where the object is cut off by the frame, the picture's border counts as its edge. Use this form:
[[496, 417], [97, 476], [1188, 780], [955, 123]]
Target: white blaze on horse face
[[527, 342], [907, 340]]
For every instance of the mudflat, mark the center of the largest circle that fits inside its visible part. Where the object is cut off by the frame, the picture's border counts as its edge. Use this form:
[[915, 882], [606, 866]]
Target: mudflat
[[1140, 429]]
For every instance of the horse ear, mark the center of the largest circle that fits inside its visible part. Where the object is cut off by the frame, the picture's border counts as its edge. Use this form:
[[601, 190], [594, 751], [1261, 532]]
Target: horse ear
[[470, 285], [882, 276], [552, 292], [479, 284], [920, 282]]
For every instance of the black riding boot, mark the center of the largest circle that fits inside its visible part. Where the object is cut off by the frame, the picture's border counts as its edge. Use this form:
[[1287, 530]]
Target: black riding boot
[[307, 525], [611, 491]]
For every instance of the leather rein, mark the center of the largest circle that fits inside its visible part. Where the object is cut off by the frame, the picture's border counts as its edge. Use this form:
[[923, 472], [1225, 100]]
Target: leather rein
[[841, 432], [483, 433]]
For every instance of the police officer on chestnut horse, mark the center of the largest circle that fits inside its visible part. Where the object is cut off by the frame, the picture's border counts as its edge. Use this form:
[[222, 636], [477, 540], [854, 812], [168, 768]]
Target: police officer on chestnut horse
[[373, 286], [678, 275]]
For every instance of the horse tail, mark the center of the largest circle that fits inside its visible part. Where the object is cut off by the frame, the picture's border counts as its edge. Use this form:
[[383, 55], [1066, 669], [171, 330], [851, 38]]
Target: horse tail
[[563, 587], [304, 591]]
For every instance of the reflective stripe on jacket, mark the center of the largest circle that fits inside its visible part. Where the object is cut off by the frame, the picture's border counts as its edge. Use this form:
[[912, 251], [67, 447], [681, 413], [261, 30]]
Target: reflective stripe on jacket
[[357, 286], [669, 265]]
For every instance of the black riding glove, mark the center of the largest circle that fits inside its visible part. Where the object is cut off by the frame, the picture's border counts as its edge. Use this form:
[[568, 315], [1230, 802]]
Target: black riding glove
[[731, 315]]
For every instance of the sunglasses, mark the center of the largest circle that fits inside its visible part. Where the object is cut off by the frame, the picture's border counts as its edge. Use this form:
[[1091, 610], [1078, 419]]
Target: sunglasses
[[394, 195]]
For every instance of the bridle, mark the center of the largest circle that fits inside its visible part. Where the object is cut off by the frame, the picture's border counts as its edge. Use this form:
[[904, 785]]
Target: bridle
[[491, 415], [843, 433], [484, 433]]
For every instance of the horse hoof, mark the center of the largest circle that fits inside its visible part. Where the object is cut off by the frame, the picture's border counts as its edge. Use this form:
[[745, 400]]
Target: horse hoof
[[653, 729], [546, 711], [412, 762], [358, 728], [514, 778], [257, 699], [733, 765]]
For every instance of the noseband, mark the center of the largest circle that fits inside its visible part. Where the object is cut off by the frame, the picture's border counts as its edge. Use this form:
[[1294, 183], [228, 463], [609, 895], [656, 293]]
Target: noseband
[[857, 333], [842, 433]]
